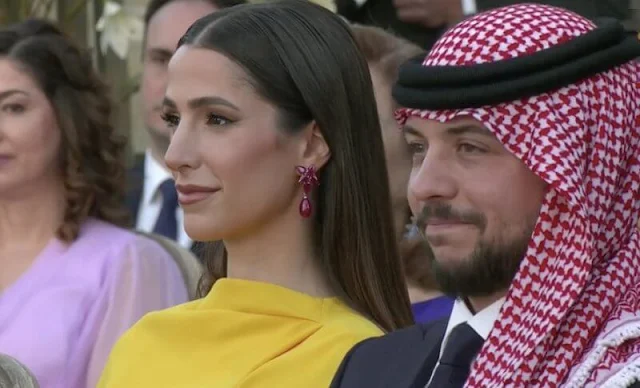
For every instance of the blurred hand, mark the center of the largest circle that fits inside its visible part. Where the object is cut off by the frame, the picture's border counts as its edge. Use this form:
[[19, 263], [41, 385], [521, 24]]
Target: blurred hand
[[429, 13]]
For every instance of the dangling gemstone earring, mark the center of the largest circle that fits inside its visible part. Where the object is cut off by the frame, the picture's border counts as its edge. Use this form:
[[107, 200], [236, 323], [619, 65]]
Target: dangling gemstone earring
[[309, 180]]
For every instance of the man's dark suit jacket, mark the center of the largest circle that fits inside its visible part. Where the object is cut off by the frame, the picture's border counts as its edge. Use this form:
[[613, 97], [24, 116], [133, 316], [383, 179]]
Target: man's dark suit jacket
[[135, 190], [402, 359], [135, 187], [382, 13], [592, 9]]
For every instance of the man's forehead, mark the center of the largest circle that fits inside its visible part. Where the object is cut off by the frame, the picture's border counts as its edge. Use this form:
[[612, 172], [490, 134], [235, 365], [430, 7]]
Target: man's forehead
[[171, 21], [460, 125]]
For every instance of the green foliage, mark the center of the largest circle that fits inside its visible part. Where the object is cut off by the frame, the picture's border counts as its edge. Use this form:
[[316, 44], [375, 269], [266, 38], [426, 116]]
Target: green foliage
[[67, 11]]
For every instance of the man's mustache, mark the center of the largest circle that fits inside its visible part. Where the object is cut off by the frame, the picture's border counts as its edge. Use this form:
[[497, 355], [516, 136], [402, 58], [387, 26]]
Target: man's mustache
[[445, 212]]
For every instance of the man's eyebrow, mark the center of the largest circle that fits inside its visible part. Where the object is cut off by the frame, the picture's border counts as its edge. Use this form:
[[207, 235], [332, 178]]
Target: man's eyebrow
[[468, 128], [409, 130], [455, 130]]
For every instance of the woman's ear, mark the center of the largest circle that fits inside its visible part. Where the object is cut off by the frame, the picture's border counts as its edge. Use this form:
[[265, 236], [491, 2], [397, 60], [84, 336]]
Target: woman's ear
[[315, 150]]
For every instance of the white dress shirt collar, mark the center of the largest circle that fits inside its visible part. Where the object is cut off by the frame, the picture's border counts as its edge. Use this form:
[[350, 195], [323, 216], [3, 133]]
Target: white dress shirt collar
[[482, 322]]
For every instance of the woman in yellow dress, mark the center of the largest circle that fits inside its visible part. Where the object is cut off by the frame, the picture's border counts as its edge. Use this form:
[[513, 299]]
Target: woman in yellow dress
[[276, 152]]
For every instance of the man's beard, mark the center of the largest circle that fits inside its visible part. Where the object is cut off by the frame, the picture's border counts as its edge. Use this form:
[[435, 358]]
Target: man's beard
[[490, 268]]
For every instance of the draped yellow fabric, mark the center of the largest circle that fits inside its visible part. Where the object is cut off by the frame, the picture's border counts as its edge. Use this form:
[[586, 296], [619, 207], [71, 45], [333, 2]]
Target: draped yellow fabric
[[243, 334]]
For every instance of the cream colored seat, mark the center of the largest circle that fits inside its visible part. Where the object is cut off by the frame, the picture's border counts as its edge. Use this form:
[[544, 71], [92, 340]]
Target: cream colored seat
[[189, 264]]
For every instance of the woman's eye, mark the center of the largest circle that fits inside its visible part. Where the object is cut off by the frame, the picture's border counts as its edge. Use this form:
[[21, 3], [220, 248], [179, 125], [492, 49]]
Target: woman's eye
[[172, 120], [13, 108], [214, 119]]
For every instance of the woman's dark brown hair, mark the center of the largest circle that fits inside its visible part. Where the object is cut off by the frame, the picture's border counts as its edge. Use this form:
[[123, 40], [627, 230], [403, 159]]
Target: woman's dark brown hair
[[383, 50], [92, 153], [303, 59], [386, 53]]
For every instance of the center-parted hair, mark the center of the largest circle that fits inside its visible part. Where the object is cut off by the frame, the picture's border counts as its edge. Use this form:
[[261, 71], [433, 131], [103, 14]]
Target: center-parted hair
[[303, 60]]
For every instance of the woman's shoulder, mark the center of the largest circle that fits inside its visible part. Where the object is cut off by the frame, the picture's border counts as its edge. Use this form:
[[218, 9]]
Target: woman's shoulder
[[148, 339], [117, 252], [93, 229], [337, 314], [159, 323], [101, 234], [156, 328], [98, 236], [343, 325], [339, 330]]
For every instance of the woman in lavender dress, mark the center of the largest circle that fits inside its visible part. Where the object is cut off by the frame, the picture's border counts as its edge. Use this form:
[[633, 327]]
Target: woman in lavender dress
[[71, 280]]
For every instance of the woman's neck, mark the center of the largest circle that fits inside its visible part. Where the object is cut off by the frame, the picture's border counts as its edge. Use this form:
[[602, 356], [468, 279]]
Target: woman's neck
[[31, 217], [280, 253], [28, 222]]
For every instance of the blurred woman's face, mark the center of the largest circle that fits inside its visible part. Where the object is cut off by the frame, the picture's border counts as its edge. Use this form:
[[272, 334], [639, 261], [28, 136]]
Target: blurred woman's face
[[395, 148], [29, 133]]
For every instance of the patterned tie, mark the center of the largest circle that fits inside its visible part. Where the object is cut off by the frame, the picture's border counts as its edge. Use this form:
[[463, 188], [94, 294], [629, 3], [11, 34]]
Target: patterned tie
[[462, 346], [167, 224]]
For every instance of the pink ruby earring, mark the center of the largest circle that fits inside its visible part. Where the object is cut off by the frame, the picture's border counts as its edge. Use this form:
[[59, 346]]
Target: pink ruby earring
[[309, 180]]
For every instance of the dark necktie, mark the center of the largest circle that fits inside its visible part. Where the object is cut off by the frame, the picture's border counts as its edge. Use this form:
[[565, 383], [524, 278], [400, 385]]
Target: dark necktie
[[462, 346], [167, 224]]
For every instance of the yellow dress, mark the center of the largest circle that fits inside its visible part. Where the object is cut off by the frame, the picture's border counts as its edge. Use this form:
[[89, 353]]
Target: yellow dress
[[243, 334]]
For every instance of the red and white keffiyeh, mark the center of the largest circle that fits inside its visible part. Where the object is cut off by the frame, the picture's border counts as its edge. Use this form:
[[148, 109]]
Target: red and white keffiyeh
[[572, 314]]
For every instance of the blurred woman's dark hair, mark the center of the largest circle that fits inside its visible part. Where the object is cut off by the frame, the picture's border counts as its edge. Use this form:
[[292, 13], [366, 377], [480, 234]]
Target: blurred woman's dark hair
[[386, 52], [92, 154], [313, 71]]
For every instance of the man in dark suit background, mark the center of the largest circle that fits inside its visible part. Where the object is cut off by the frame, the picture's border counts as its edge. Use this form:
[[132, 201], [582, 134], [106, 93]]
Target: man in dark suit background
[[522, 127], [152, 198], [423, 21]]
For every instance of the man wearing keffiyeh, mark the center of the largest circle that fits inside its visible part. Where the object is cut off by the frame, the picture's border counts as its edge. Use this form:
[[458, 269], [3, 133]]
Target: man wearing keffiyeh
[[524, 124]]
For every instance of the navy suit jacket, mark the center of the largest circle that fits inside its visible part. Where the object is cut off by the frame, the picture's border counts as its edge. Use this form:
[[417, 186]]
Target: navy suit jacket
[[135, 187], [401, 359]]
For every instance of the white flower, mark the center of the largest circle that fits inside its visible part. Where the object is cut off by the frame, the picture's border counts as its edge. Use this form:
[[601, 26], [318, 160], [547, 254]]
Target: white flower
[[118, 27]]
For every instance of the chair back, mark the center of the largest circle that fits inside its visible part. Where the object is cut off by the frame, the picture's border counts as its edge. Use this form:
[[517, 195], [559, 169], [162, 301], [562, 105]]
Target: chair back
[[189, 264]]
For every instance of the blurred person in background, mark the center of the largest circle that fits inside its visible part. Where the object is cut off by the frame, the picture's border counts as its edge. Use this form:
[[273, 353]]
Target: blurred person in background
[[423, 21], [72, 280], [270, 105], [385, 53], [151, 196]]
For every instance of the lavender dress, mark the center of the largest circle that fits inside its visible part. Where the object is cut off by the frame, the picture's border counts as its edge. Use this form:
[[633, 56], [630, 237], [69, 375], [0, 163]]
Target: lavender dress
[[61, 318]]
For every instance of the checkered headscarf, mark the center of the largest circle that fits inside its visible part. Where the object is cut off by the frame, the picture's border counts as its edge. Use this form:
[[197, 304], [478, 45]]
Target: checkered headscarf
[[572, 314]]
